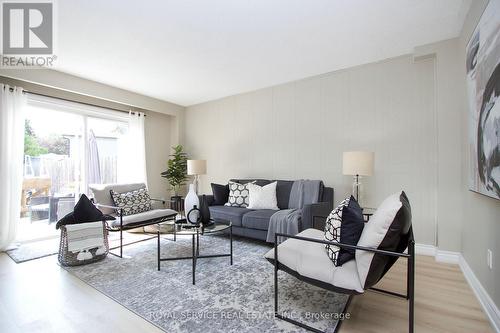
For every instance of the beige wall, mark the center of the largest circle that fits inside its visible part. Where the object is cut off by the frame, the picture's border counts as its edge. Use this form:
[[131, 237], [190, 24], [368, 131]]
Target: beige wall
[[161, 126], [448, 140], [481, 214], [300, 129], [412, 111]]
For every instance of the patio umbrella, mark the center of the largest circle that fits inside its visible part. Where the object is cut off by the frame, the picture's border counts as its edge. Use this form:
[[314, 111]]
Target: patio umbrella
[[93, 167]]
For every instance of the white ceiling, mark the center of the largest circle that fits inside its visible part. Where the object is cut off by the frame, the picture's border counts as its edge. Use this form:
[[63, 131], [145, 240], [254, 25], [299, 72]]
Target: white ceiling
[[192, 51]]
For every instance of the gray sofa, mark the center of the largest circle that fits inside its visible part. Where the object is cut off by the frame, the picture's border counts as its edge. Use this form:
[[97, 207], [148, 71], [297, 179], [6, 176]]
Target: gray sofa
[[254, 223]]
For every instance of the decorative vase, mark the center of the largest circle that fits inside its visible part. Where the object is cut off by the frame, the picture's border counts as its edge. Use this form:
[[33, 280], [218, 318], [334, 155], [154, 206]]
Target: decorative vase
[[190, 201], [205, 212], [194, 216]]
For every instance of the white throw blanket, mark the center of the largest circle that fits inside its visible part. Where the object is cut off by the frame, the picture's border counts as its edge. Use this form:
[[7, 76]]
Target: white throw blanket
[[287, 221], [85, 236]]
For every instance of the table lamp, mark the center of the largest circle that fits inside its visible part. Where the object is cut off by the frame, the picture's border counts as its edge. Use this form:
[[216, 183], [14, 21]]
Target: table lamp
[[357, 164], [196, 168]]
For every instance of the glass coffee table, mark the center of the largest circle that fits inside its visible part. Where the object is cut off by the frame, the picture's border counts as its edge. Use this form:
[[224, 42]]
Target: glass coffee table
[[219, 226]]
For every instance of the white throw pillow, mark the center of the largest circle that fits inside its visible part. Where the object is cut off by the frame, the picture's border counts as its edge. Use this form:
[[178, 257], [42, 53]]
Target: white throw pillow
[[262, 197], [375, 231]]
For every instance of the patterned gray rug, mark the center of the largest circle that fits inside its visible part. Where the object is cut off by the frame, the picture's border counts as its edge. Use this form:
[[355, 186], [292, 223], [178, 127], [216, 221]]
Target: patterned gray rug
[[226, 298]]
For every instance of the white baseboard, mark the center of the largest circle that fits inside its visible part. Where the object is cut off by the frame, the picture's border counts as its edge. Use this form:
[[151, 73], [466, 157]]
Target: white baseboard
[[448, 257], [484, 299], [425, 250], [451, 257]]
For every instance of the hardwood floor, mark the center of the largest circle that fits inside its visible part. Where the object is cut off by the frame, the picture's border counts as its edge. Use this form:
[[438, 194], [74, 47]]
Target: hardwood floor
[[39, 296]]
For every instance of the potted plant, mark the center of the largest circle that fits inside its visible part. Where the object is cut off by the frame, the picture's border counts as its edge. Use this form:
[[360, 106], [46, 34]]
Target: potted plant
[[176, 173]]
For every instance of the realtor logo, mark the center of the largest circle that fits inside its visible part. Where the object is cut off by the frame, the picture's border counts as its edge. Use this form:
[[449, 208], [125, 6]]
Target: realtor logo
[[27, 28]]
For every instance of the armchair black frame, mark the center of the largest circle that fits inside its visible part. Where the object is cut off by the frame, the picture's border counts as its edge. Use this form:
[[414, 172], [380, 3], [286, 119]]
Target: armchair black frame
[[410, 278], [131, 226]]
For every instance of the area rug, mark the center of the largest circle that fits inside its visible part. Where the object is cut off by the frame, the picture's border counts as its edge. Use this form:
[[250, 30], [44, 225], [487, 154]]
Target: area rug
[[237, 298], [33, 250], [40, 249]]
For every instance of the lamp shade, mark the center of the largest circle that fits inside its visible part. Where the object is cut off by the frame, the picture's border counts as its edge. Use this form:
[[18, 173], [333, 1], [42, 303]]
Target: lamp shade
[[196, 167], [358, 163]]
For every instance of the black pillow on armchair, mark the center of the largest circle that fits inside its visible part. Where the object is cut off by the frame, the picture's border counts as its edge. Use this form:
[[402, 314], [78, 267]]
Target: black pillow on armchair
[[221, 194], [84, 211], [350, 230]]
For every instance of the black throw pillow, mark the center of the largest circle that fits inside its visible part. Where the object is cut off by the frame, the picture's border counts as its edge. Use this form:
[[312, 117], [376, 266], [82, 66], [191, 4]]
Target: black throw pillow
[[350, 230], [84, 211], [221, 194]]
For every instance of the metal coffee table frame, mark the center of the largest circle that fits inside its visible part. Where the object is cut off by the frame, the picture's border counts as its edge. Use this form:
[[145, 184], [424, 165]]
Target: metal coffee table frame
[[195, 233]]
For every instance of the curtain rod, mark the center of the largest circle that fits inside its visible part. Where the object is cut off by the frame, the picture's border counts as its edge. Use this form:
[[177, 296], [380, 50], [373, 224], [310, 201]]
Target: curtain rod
[[69, 100]]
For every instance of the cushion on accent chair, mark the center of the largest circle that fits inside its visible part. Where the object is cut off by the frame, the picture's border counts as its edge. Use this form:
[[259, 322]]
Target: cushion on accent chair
[[332, 231], [343, 225], [144, 216], [309, 260], [384, 231], [262, 197], [133, 202], [350, 229], [103, 196]]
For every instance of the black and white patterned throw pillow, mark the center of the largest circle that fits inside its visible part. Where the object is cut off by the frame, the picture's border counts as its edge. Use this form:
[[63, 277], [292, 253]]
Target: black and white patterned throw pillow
[[332, 230], [238, 195], [132, 202], [344, 225]]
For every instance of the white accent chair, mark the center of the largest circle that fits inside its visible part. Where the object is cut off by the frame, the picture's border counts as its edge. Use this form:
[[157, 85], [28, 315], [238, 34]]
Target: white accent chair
[[104, 202], [383, 241]]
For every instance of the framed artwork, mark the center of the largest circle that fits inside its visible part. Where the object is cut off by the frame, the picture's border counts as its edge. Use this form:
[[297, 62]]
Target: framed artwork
[[483, 88]]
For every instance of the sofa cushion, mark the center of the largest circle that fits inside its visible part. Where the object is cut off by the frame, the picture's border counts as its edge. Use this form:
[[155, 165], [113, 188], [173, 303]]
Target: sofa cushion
[[102, 195], [238, 195], [258, 219], [233, 214], [144, 216], [310, 260], [283, 189], [220, 193], [262, 197]]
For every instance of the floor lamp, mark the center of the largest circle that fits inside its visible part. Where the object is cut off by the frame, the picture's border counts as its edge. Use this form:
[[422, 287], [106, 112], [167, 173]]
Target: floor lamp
[[358, 164]]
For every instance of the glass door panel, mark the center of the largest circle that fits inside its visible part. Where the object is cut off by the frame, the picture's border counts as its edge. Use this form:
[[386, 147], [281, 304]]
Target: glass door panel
[[52, 176]]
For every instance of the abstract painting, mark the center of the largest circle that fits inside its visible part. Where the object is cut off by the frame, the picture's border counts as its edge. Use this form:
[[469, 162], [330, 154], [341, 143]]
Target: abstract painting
[[483, 84]]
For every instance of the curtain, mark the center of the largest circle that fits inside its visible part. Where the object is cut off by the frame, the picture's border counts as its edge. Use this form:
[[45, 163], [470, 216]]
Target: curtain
[[133, 167], [12, 117]]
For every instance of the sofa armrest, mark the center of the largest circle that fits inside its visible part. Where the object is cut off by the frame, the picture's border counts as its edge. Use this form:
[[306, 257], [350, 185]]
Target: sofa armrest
[[312, 211]]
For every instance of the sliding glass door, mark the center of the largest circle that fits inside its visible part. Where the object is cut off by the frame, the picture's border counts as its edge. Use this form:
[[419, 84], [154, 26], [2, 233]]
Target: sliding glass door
[[67, 147]]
